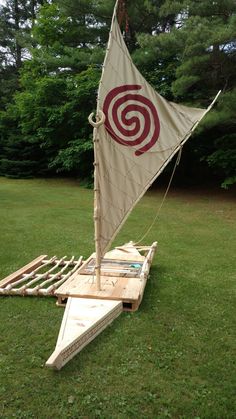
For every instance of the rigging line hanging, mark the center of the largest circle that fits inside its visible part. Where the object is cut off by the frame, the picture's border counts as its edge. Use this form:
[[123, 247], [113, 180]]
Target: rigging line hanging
[[164, 197]]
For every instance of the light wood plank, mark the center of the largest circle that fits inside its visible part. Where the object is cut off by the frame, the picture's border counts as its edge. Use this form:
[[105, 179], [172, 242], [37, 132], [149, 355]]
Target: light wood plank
[[83, 320], [27, 268]]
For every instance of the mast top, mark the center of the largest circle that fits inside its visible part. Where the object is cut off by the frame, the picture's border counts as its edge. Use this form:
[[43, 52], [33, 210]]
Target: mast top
[[122, 16]]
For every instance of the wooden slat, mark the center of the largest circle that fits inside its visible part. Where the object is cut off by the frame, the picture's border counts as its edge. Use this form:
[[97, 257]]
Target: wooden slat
[[27, 268], [55, 276], [63, 262], [31, 274], [83, 320], [112, 267], [84, 286], [146, 269], [42, 276], [64, 277]]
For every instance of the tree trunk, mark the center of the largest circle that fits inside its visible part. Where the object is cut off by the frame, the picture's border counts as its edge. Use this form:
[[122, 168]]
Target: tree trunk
[[33, 15], [17, 27]]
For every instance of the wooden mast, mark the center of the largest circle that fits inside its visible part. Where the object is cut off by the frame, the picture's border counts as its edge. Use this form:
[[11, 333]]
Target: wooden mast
[[96, 214], [100, 118]]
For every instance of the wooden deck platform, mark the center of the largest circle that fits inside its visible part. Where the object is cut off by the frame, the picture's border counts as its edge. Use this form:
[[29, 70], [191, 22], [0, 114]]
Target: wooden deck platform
[[124, 274]]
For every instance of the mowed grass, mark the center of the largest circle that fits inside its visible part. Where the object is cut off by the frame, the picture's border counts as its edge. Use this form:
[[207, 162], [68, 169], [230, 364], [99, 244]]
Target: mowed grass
[[174, 358]]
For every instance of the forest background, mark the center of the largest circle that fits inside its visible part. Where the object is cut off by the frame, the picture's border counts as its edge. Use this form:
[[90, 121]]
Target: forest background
[[51, 55]]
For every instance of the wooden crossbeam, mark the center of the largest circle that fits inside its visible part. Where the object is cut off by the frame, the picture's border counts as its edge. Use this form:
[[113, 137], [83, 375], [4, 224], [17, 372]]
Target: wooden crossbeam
[[38, 277], [72, 262], [28, 276], [27, 268], [44, 275], [53, 287]]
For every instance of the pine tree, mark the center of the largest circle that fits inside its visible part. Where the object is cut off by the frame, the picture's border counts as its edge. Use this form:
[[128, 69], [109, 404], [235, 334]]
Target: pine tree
[[18, 156], [194, 58], [185, 49], [49, 115], [16, 20]]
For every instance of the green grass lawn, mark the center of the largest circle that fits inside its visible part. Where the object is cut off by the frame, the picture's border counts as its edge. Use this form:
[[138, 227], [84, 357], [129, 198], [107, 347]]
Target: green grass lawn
[[174, 358]]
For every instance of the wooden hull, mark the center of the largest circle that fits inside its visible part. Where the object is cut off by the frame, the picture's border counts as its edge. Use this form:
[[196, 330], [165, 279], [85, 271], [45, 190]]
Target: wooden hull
[[83, 320], [88, 311]]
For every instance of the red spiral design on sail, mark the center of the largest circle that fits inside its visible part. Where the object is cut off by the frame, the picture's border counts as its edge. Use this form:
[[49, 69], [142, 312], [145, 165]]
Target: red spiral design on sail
[[118, 107]]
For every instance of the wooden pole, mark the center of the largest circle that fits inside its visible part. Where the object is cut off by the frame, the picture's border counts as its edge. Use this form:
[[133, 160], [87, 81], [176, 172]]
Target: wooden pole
[[97, 211], [100, 118], [99, 121]]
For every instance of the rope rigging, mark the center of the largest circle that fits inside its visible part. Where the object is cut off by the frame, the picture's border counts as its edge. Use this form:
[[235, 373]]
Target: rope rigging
[[163, 199]]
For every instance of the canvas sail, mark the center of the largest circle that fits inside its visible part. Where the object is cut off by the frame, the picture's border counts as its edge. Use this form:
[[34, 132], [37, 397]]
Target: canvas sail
[[141, 133]]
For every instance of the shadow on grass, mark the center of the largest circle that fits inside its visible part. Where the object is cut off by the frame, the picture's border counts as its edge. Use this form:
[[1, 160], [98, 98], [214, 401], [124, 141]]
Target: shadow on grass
[[153, 287]]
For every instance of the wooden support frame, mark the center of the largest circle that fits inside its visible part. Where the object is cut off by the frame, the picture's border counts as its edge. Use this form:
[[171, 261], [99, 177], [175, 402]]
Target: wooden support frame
[[27, 268], [124, 273], [29, 281]]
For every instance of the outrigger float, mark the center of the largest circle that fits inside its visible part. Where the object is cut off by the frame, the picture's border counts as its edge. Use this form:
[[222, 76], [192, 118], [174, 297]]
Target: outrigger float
[[136, 134]]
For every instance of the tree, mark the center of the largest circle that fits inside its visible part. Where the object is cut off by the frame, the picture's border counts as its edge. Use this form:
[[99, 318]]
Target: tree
[[49, 114], [185, 49], [16, 20], [195, 57]]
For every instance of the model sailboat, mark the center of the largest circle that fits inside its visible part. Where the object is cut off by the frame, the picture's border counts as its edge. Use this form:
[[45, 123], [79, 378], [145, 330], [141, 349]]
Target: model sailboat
[[136, 134]]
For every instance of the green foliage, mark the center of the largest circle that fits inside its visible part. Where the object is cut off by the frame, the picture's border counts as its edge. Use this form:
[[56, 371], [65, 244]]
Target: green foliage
[[51, 66], [49, 114], [77, 155], [194, 59], [17, 17], [224, 158], [47, 117], [221, 152], [20, 155]]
